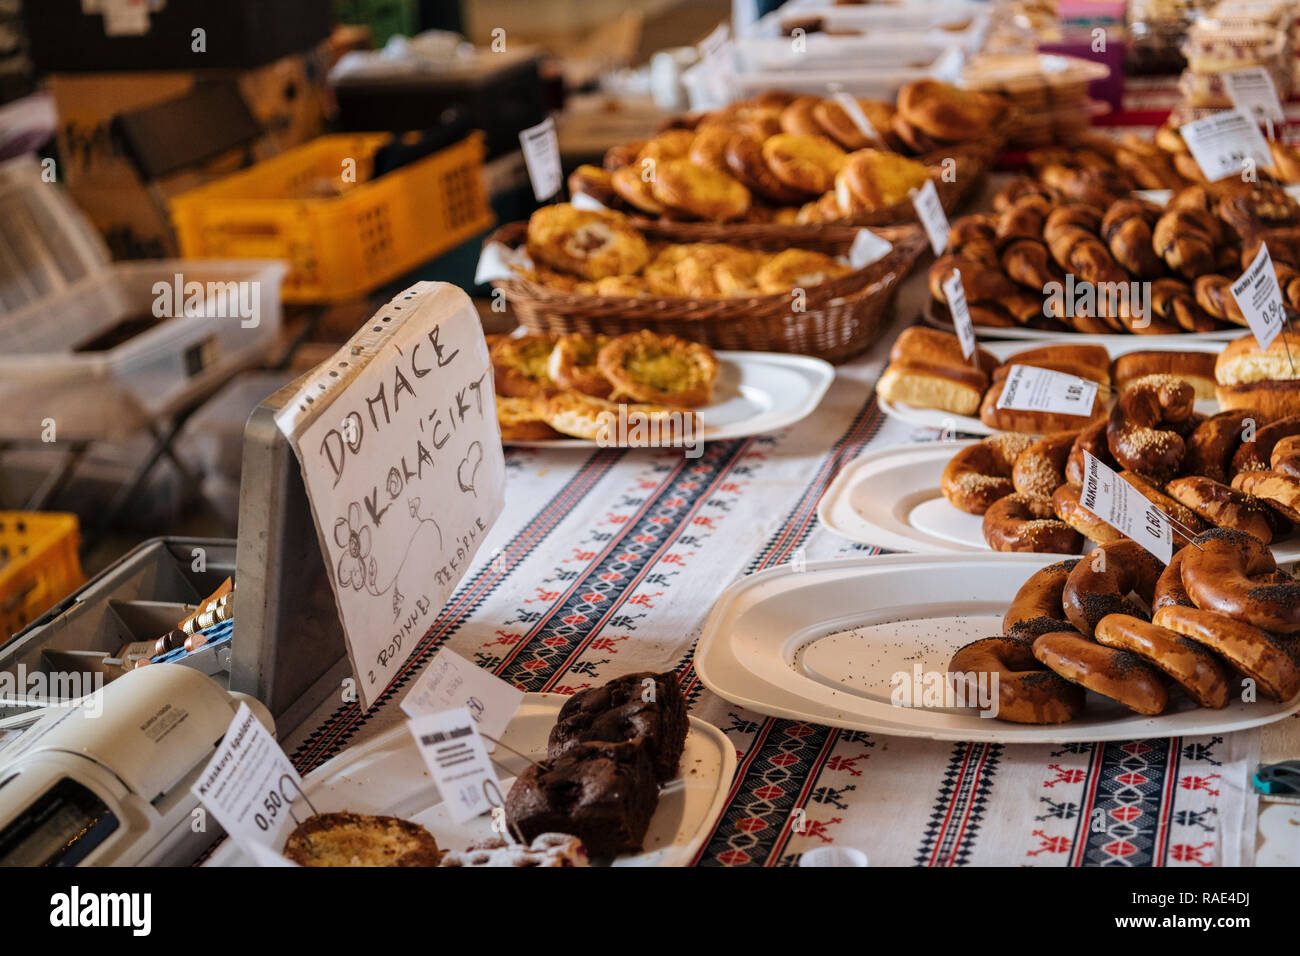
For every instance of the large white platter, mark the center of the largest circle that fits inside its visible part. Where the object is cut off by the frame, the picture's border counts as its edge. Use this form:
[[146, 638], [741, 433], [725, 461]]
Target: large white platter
[[1115, 345], [892, 499], [387, 776], [822, 643], [755, 392]]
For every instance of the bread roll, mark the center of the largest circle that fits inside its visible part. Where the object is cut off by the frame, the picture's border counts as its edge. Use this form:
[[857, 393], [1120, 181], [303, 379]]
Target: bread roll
[[1034, 423], [1244, 362], [1195, 368], [1085, 361]]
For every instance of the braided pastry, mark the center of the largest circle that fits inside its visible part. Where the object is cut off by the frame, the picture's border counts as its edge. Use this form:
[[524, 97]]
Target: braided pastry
[[1026, 262], [1174, 301], [1188, 239], [1214, 295], [1140, 433], [1023, 186], [1126, 228]]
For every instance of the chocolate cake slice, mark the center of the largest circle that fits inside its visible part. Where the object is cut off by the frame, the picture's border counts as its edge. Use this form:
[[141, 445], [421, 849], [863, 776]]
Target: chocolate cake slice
[[602, 793], [645, 705]]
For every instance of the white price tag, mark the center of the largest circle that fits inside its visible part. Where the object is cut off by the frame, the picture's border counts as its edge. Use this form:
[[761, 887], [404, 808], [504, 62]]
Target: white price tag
[[1252, 91], [499, 261], [712, 44], [930, 211], [125, 17], [1260, 298], [854, 109], [1222, 143], [451, 681], [1044, 390], [956, 296], [542, 157], [584, 201], [868, 248], [1124, 508], [242, 784], [458, 762]]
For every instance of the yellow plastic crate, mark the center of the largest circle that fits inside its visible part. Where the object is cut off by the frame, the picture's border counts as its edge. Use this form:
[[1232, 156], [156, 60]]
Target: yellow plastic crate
[[342, 246], [38, 565]]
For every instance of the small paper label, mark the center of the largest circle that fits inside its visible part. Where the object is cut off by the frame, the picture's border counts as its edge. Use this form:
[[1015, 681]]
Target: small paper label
[[868, 248], [458, 762], [249, 783], [542, 157], [1043, 390], [1222, 143], [499, 261], [712, 44], [961, 321], [584, 201], [1124, 508], [125, 17], [451, 681], [1252, 91], [860, 120], [1260, 298], [930, 211]]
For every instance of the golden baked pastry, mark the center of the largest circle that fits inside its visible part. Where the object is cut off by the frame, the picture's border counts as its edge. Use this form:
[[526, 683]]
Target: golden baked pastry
[[594, 182], [699, 191], [805, 163], [572, 364], [358, 839], [585, 242], [659, 369], [596, 419], [519, 364], [523, 419], [634, 189], [709, 147], [630, 287], [836, 123], [798, 268], [670, 144], [946, 112], [872, 179], [744, 158], [798, 119]]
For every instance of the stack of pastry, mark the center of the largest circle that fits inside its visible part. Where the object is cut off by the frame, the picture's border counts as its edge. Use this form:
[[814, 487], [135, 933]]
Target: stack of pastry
[[1080, 255], [785, 158], [549, 386], [1220, 623], [600, 253]]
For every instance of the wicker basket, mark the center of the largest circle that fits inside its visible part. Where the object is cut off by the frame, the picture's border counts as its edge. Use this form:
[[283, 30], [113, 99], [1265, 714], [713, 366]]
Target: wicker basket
[[841, 318]]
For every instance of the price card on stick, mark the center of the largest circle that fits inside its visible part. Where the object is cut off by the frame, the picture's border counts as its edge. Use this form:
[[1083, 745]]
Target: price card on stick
[[1253, 93], [1222, 143], [1124, 508], [929, 209], [401, 456], [853, 108], [248, 785], [458, 762], [1043, 390], [1259, 297], [451, 681], [960, 311], [867, 248], [542, 157]]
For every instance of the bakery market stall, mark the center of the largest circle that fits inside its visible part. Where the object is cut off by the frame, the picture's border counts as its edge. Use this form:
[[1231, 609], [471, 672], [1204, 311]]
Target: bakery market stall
[[875, 442]]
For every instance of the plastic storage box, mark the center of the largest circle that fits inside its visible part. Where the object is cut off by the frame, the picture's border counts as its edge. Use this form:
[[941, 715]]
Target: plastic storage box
[[70, 359], [344, 245], [38, 565]]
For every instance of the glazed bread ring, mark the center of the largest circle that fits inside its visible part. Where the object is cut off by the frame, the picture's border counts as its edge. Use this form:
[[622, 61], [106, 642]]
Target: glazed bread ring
[[585, 242], [805, 163], [946, 112], [1119, 675], [1181, 516], [1093, 440], [744, 159], [836, 123], [1169, 586], [872, 179], [1211, 446], [1039, 599], [1067, 507], [980, 474], [572, 364], [1279, 491], [1257, 455], [1027, 692], [1271, 662], [798, 269], [1140, 433], [633, 188], [1101, 583], [1190, 666], [1040, 469], [1222, 574], [1223, 507], [523, 419], [659, 369], [519, 364], [1019, 522]]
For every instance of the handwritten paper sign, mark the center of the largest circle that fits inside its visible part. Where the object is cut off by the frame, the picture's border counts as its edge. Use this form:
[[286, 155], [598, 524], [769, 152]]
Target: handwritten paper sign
[[401, 454], [1124, 508], [450, 681]]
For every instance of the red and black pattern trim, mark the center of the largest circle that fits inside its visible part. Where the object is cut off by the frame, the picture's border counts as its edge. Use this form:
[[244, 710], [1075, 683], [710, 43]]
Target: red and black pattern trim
[[1127, 796], [959, 811]]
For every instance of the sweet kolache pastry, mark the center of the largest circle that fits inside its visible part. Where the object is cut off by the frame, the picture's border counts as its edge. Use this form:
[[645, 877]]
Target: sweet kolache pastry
[[659, 369], [359, 839]]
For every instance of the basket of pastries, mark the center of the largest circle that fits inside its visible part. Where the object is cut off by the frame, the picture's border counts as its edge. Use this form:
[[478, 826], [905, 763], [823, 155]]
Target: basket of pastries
[[1074, 251], [593, 272], [783, 166], [1219, 624]]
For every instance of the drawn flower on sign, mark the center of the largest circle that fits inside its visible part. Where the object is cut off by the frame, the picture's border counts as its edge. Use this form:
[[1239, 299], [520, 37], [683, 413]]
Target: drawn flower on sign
[[353, 537]]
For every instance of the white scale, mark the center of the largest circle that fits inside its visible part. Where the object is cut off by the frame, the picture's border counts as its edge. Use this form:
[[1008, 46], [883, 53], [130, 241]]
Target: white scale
[[106, 781]]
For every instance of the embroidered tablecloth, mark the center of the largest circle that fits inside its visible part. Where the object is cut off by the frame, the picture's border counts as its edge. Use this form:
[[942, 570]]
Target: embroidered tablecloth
[[608, 562]]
